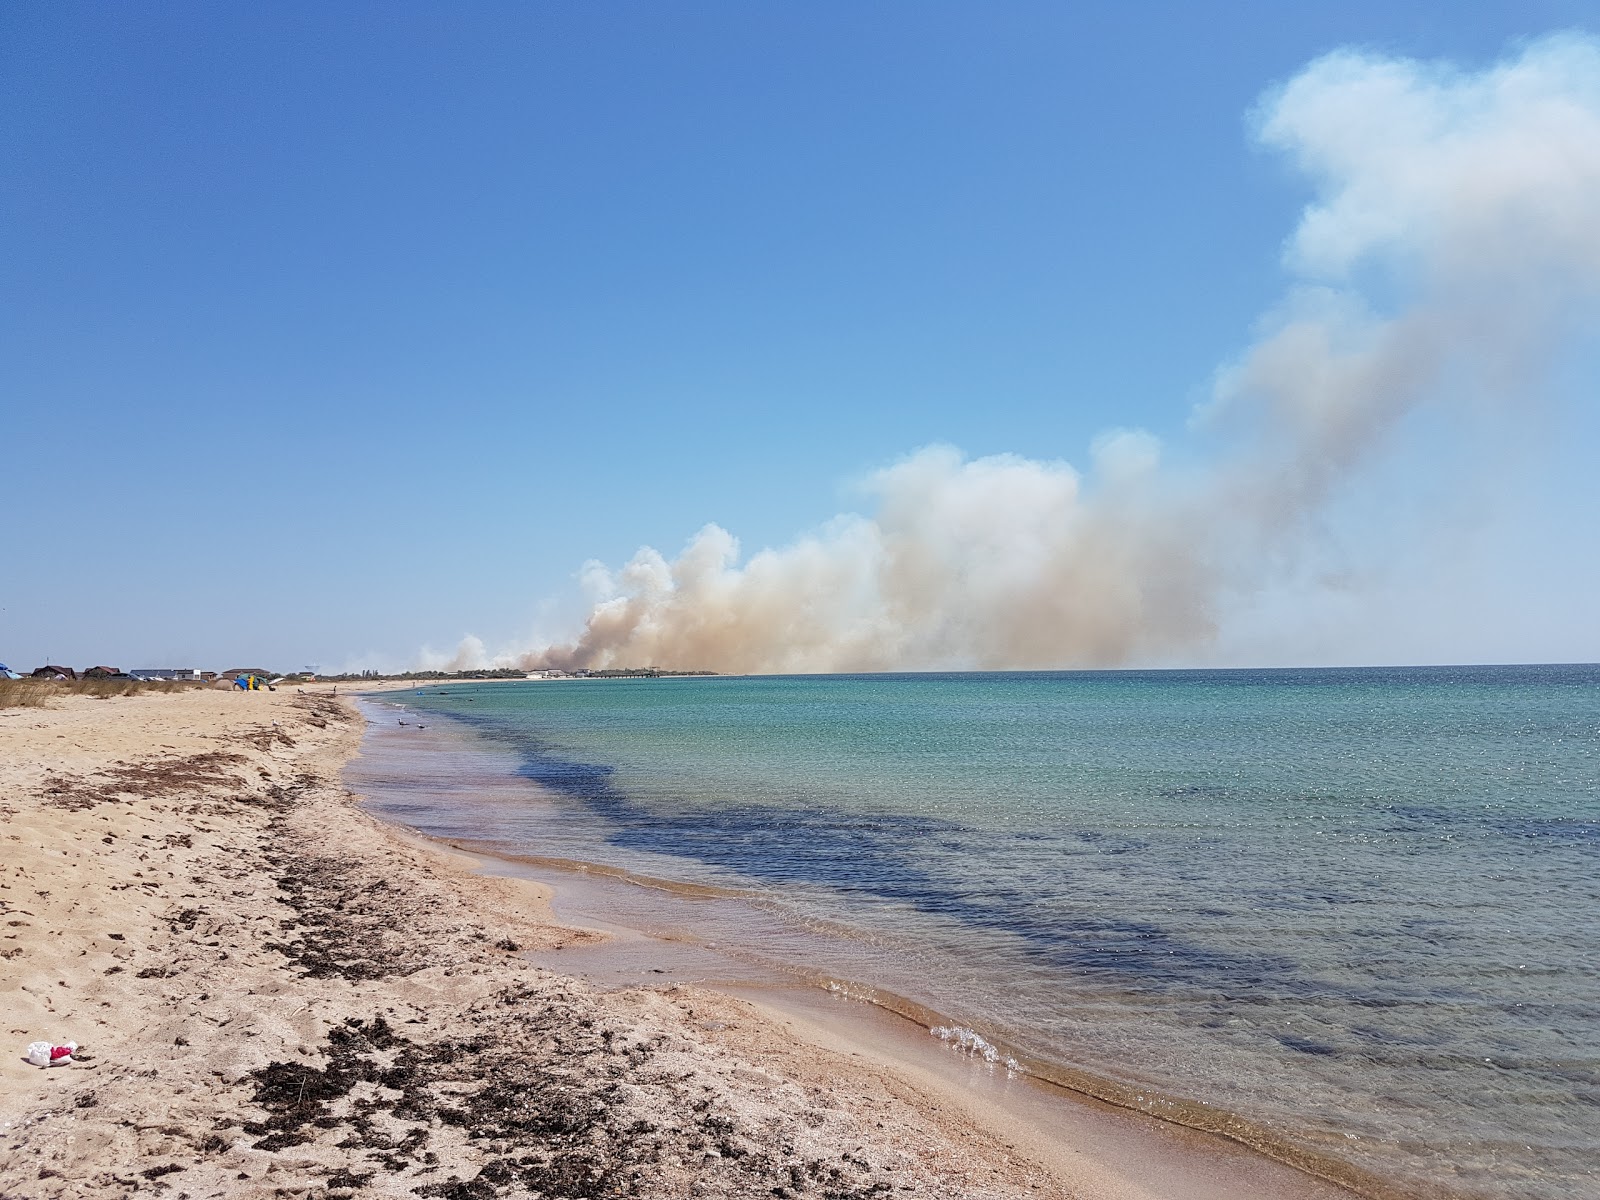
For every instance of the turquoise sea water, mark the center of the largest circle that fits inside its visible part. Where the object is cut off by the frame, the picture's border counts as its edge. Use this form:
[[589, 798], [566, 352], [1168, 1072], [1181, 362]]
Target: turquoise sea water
[[1350, 915]]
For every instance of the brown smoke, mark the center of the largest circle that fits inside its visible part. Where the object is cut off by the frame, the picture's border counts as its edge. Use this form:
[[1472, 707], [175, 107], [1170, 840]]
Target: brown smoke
[[1474, 197]]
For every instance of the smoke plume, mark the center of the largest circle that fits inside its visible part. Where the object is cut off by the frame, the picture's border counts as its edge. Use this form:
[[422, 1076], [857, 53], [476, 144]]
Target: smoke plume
[[1452, 248]]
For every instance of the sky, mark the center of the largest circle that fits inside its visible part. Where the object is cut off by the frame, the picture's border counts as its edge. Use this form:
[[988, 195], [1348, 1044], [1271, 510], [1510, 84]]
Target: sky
[[384, 335]]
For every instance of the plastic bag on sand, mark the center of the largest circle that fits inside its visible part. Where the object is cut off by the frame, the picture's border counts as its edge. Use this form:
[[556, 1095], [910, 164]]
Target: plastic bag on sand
[[47, 1054]]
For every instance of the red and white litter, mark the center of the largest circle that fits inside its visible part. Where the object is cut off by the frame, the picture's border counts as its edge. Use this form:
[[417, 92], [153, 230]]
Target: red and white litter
[[51, 1054]]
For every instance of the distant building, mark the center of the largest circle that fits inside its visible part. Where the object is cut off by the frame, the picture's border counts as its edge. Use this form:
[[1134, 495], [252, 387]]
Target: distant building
[[167, 673], [101, 672], [55, 673]]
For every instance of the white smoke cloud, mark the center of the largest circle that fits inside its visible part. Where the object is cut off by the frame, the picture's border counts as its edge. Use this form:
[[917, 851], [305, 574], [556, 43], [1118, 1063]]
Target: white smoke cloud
[[470, 654], [1452, 247]]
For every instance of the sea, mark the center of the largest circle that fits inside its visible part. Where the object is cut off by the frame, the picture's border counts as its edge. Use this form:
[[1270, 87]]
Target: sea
[[1348, 916]]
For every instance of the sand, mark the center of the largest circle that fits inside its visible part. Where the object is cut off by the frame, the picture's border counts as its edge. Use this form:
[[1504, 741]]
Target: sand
[[276, 994]]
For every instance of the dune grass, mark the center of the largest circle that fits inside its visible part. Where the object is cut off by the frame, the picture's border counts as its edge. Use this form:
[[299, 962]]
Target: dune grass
[[38, 693]]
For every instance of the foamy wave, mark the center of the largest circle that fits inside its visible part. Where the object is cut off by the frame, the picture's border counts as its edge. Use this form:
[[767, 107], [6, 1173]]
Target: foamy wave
[[970, 1042], [850, 992]]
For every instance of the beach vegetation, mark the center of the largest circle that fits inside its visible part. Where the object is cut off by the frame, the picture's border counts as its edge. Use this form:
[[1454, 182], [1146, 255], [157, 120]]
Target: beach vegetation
[[38, 693]]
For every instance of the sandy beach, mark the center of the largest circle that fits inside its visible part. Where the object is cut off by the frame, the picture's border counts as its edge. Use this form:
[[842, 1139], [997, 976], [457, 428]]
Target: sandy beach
[[276, 994]]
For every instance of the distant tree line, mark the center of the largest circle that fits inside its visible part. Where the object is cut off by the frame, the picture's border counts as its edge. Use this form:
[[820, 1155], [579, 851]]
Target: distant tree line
[[495, 673], [500, 673], [640, 673]]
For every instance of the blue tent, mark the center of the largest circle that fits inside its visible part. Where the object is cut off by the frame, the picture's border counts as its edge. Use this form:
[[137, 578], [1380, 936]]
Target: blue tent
[[7, 673]]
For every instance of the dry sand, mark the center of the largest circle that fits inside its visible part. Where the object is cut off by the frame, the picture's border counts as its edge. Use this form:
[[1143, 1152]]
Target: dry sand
[[278, 995]]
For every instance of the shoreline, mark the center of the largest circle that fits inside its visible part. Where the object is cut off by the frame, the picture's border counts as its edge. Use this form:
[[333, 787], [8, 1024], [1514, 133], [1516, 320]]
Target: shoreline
[[1065, 1084], [1063, 1089], [899, 1034], [279, 993]]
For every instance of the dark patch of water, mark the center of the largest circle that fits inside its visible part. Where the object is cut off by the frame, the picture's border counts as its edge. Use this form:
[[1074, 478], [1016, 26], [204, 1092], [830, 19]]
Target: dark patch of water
[[865, 854]]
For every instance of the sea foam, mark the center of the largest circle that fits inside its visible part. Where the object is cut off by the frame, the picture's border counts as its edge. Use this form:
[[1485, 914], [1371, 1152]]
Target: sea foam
[[969, 1041]]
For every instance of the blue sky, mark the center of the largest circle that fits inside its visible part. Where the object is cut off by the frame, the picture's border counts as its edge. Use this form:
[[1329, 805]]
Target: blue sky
[[331, 332]]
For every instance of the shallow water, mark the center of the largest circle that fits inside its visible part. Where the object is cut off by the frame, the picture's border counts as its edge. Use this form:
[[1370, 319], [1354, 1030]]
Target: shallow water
[[1348, 914]]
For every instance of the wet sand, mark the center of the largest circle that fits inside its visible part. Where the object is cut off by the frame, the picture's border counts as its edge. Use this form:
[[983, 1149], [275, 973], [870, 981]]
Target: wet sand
[[1090, 1148], [277, 994]]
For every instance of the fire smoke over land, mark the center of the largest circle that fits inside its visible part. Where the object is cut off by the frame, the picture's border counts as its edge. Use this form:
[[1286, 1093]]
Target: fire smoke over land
[[1452, 250]]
